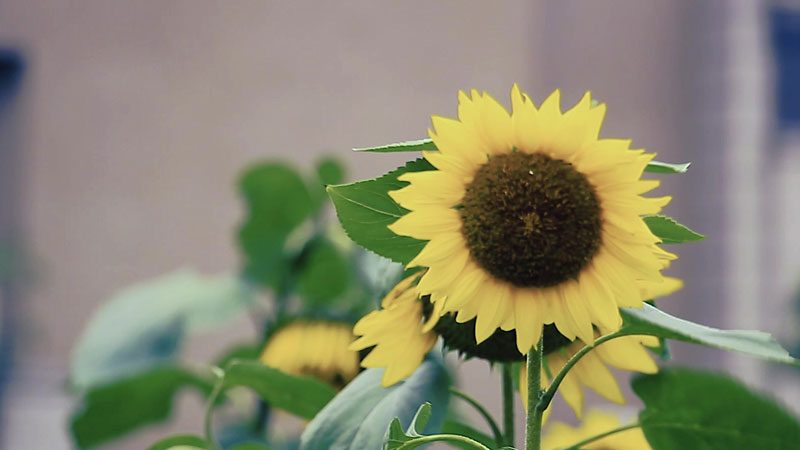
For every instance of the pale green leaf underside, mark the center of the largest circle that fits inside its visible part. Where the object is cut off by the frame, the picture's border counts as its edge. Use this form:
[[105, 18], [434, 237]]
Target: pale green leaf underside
[[652, 321]]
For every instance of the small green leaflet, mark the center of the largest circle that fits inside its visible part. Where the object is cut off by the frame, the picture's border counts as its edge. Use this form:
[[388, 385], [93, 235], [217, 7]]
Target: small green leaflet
[[670, 231], [427, 144], [398, 437], [408, 146], [365, 209], [652, 321], [691, 409]]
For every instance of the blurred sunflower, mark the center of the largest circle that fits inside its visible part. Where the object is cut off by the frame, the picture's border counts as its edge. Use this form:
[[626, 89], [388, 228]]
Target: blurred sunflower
[[560, 435], [407, 326], [315, 348], [531, 219]]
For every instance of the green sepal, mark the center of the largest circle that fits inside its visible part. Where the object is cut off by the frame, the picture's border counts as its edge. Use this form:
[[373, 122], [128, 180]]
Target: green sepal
[[407, 146], [662, 167], [670, 231], [428, 145]]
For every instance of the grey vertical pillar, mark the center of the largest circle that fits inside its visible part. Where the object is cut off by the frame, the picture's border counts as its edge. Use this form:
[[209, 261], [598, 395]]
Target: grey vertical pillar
[[11, 68]]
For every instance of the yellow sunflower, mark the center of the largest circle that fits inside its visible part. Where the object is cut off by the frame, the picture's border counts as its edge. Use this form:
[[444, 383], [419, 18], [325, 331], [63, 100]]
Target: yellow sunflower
[[531, 219], [315, 348], [560, 435], [397, 333], [407, 326]]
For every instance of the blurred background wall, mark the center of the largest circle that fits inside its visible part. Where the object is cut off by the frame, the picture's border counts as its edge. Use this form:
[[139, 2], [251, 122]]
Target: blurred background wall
[[133, 119]]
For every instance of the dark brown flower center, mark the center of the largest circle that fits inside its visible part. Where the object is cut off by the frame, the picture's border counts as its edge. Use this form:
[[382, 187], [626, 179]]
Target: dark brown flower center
[[501, 346], [530, 219]]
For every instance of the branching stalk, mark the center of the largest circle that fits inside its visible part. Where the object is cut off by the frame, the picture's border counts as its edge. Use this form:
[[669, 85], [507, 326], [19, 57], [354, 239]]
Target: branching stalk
[[498, 435]]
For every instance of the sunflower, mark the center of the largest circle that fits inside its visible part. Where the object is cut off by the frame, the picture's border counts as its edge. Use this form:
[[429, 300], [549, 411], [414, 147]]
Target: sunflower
[[315, 348], [531, 219], [407, 326], [395, 335], [560, 435]]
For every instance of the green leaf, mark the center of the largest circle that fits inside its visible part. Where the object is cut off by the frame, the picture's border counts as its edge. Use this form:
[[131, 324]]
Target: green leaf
[[250, 446], [427, 144], [359, 415], [689, 409], [365, 209], [244, 351], [662, 167], [652, 321], [330, 171], [455, 427], [277, 202], [324, 274], [115, 409], [408, 146], [142, 326], [180, 441], [670, 231], [301, 396]]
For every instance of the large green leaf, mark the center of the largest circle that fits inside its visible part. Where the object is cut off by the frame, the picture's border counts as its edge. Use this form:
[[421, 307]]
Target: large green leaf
[[359, 415], [427, 144], [408, 146], [652, 321], [302, 396], [365, 209], [115, 409], [670, 231], [324, 273], [143, 325], [689, 409], [180, 442], [277, 201]]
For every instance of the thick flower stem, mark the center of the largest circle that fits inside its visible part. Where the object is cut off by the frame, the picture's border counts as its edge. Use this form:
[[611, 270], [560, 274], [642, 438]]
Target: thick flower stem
[[533, 424], [508, 406]]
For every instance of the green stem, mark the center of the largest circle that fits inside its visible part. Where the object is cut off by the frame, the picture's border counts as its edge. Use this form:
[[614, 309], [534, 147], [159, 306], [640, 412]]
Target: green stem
[[414, 443], [508, 406], [498, 435], [533, 422], [547, 396], [212, 400], [602, 435]]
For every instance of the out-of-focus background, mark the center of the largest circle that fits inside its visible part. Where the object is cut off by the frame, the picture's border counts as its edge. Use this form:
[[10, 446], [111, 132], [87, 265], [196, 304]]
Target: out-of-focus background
[[123, 126]]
